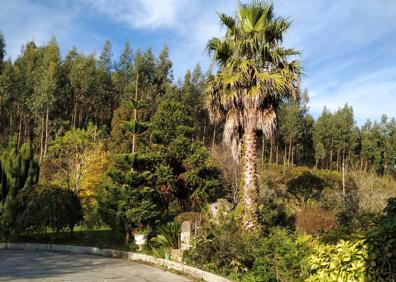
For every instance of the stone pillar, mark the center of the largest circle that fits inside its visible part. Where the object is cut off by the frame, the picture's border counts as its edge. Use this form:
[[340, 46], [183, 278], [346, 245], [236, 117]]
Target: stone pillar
[[185, 236]]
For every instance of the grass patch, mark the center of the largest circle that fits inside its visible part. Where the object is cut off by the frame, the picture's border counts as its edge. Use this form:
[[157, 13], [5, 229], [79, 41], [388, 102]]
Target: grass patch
[[102, 238]]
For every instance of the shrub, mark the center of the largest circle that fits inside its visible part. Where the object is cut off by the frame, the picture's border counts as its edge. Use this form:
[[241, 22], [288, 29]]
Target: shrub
[[272, 214], [279, 257], [372, 257], [315, 220], [345, 261], [43, 208], [223, 248], [226, 249]]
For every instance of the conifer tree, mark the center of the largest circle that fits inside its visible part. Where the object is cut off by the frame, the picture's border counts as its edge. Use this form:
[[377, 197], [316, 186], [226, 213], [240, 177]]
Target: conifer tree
[[18, 170], [130, 197]]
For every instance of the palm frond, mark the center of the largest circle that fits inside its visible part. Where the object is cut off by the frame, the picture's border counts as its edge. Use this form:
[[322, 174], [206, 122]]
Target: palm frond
[[226, 20], [168, 235]]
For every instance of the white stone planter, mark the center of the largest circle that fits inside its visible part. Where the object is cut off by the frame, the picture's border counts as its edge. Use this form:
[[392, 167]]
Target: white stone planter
[[140, 239]]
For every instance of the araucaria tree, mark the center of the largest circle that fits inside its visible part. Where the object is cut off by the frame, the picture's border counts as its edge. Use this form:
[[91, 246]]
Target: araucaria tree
[[255, 74]]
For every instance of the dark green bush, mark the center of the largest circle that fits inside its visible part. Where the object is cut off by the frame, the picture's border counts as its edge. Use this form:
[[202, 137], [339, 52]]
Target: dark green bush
[[42, 208]]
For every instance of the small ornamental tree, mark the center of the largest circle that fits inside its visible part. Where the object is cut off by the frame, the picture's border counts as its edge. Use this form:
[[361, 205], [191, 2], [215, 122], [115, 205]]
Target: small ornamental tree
[[18, 170], [129, 200]]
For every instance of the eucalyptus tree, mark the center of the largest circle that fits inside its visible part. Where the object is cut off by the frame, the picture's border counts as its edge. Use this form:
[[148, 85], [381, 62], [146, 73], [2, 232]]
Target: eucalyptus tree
[[255, 73], [81, 73], [45, 88], [103, 99], [2, 51]]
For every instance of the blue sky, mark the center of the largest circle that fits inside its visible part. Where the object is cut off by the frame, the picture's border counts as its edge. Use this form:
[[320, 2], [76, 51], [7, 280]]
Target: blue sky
[[348, 46]]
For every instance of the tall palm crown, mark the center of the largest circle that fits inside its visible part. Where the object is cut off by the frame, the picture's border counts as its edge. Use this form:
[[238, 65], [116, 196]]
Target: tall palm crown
[[254, 76], [254, 72]]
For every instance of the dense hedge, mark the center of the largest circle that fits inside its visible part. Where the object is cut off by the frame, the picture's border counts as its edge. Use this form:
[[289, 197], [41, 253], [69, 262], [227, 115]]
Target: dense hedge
[[42, 209]]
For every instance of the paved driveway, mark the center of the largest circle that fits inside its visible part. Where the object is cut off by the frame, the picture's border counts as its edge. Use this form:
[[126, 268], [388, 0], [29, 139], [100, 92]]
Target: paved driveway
[[53, 266]]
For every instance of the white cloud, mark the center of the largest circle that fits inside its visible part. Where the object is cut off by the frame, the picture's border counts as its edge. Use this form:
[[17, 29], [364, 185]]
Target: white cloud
[[21, 21], [187, 24], [140, 13]]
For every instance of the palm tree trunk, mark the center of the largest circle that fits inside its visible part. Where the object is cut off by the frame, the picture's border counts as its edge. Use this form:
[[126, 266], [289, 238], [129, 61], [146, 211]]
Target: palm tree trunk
[[250, 193], [262, 151]]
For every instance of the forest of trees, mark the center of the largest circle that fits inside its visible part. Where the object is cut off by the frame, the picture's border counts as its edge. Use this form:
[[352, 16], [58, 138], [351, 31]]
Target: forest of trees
[[42, 96]]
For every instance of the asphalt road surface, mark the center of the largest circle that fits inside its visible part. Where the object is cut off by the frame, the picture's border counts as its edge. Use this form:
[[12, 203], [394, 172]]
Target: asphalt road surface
[[54, 266]]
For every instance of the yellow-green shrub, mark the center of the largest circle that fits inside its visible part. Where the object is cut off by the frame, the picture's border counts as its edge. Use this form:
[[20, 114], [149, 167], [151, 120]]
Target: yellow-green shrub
[[345, 261]]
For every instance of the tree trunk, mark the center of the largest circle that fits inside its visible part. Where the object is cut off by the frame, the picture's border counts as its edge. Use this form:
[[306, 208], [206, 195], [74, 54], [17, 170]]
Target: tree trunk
[[127, 236], [214, 135], [292, 156], [204, 132], [74, 115], [19, 130], [46, 133], [263, 151], [290, 152], [250, 191], [42, 139], [135, 115], [270, 154]]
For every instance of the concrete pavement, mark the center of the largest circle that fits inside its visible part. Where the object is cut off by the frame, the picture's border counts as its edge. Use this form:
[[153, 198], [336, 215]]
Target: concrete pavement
[[56, 266]]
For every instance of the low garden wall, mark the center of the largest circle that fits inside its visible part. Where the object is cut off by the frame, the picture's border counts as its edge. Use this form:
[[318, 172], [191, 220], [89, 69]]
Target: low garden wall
[[192, 271]]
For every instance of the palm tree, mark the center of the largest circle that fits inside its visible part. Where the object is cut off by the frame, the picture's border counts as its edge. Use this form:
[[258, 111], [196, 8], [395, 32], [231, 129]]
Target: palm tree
[[254, 76]]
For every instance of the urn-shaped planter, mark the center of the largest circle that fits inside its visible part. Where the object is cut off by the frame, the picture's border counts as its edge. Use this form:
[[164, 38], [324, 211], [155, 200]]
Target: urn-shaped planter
[[140, 239]]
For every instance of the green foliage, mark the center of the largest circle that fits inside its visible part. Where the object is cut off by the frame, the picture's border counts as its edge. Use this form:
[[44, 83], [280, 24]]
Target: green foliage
[[2, 51], [295, 130], [223, 248], [18, 171], [379, 145], [345, 261], [369, 258], [335, 138], [226, 249], [46, 208], [70, 153], [183, 168], [301, 185], [128, 199], [168, 235], [170, 122]]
